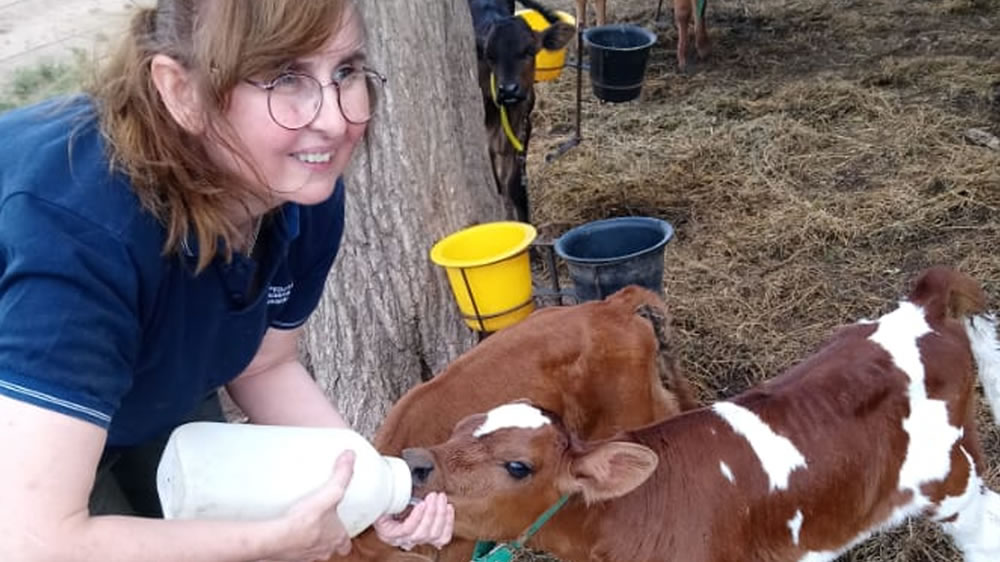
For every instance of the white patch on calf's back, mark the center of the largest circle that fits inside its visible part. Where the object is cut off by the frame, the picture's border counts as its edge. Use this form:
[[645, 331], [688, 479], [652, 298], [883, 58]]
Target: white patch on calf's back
[[726, 471], [897, 334], [928, 454], [931, 436], [509, 416], [795, 526], [776, 453]]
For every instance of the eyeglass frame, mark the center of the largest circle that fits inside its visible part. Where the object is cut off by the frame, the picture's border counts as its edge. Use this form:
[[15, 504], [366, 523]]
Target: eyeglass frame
[[270, 85]]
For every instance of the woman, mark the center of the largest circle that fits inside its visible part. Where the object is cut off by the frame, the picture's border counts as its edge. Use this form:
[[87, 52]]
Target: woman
[[164, 235]]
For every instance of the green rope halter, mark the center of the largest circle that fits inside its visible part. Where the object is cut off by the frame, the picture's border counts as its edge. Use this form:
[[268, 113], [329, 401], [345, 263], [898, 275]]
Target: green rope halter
[[504, 120], [487, 551]]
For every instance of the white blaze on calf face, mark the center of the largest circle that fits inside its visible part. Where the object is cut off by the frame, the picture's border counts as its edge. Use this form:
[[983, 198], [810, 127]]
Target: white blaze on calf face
[[776, 453], [512, 416], [931, 435], [726, 471], [795, 526]]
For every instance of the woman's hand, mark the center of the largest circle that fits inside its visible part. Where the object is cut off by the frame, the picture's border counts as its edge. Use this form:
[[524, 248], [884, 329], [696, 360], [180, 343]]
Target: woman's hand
[[314, 530], [430, 522]]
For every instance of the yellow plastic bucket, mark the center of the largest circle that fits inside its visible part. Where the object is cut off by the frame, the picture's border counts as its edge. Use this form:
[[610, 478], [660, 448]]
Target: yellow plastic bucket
[[548, 64], [490, 273]]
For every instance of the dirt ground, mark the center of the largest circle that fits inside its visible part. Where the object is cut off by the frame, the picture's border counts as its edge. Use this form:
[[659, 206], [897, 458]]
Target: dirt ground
[[812, 166], [33, 31]]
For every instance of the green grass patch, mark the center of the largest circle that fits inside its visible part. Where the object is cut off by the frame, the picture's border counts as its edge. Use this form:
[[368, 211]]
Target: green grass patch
[[44, 80]]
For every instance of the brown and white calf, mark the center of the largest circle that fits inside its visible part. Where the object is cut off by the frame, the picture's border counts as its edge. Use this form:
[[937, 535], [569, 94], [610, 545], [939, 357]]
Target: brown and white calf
[[876, 427], [684, 11], [603, 366]]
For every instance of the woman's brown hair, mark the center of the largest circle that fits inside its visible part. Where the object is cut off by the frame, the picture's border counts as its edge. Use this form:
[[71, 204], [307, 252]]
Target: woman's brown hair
[[220, 43]]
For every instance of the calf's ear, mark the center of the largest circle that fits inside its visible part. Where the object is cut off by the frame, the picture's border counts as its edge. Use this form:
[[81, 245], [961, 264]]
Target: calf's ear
[[555, 36], [611, 470]]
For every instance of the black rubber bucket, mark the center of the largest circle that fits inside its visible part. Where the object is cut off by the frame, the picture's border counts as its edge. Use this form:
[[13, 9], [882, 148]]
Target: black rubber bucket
[[618, 54], [604, 256]]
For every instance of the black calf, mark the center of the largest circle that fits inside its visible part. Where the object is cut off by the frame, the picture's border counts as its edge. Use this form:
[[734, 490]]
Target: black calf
[[506, 47]]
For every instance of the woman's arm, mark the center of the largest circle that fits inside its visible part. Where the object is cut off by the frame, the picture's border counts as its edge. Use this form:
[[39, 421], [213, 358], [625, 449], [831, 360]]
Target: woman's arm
[[276, 389], [46, 474]]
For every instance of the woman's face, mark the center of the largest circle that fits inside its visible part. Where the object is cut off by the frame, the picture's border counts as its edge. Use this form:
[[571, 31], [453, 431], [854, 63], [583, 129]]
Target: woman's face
[[299, 166]]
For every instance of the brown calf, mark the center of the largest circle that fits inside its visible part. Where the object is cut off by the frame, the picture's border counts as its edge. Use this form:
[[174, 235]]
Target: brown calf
[[683, 11], [598, 364], [876, 427]]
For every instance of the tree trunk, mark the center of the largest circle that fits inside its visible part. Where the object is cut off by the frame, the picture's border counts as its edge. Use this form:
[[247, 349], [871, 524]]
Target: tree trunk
[[387, 319]]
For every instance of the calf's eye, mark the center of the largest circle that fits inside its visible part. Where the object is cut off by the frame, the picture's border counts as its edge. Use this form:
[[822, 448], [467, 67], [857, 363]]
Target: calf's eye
[[517, 470]]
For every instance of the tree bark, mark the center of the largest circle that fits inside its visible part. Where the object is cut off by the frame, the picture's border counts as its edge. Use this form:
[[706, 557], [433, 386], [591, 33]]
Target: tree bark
[[387, 319]]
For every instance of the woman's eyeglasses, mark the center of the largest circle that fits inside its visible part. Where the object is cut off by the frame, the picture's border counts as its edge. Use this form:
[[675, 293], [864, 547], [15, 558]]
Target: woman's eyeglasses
[[294, 99]]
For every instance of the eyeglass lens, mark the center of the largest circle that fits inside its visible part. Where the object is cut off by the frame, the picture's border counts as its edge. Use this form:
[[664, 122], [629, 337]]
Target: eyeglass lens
[[294, 100]]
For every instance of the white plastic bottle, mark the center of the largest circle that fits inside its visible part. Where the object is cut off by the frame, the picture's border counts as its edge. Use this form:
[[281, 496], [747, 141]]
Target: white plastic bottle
[[212, 470]]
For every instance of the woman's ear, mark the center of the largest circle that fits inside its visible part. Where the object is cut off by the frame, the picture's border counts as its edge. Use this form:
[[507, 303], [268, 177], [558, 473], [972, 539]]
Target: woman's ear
[[179, 93]]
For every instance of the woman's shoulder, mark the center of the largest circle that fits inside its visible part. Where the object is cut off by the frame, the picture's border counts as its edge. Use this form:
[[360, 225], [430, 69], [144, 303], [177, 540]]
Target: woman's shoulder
[[53, 153], [45, 127]]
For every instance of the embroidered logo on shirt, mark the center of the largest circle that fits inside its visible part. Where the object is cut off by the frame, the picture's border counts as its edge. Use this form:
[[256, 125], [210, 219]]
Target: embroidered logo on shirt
[[279, 295]]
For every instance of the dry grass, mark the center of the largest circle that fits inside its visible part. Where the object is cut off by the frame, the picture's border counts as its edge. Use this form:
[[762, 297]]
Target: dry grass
[[811, 167]]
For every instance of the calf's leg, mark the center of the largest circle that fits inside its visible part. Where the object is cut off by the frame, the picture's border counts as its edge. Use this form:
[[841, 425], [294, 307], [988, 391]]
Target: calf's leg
[[701, 42], [601, 9], [682, 19], [581, 13]]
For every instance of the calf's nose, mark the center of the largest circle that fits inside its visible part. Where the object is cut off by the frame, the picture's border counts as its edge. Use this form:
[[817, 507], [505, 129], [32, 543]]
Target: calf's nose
[[421, 465], [510, 92]]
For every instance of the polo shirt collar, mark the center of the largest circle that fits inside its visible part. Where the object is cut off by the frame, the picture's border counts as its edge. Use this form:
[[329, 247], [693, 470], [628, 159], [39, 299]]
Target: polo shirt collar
[[286, 229], [287, 222]]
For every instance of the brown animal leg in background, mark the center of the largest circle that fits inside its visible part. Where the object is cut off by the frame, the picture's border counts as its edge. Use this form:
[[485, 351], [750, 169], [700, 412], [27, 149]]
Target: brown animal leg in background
[[682, 18], [601, 8], [701, 42]]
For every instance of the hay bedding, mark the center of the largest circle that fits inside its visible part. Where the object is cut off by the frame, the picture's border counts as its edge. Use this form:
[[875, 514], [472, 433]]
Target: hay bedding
[[812, 167]]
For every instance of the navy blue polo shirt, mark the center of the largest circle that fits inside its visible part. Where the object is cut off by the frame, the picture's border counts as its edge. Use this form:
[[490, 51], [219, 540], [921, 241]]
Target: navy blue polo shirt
[[95, 321]]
